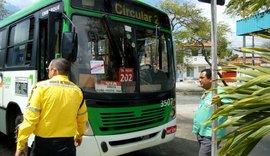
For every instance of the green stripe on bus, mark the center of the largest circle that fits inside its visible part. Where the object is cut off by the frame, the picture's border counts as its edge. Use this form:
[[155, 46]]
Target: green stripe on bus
[[111, 121]]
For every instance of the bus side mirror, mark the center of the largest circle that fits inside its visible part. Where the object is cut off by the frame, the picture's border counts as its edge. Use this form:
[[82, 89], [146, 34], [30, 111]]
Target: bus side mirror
[[69, 46]]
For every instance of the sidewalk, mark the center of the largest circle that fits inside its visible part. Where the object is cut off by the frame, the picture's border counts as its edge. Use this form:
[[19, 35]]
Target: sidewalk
[[189, 87]]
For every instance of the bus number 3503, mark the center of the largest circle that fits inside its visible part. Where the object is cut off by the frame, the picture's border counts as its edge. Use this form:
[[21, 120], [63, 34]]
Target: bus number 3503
[[167, 102]]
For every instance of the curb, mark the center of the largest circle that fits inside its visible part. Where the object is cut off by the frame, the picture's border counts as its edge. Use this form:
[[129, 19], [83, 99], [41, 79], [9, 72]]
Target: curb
[[189, 92]]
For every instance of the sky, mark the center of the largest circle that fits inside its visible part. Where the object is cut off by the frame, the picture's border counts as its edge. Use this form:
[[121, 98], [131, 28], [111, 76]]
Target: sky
[[20, 3], [236, 41]]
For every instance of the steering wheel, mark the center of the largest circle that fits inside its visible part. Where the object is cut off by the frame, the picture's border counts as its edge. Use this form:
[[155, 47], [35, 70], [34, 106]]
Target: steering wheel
[[146, 66]]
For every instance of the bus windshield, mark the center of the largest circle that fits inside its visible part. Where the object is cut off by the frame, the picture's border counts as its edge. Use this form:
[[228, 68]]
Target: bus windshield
[[117, 57]]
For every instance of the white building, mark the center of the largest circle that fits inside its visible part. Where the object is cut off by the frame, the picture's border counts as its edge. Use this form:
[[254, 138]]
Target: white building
[[196, 63]]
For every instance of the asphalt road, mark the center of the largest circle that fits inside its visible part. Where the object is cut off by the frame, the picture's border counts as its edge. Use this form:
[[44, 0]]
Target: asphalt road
[[7, 145], [184, 144]]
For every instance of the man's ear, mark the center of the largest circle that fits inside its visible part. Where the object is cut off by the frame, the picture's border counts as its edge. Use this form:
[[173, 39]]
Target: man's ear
[[210, 80], [55, 72]]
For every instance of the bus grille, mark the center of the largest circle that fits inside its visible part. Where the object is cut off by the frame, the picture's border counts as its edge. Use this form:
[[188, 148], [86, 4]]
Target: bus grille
[[129, 119]]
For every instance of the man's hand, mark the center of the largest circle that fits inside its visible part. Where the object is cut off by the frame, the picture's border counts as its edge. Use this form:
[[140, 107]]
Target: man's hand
[[77, 141], [19, 153], [216, 97]]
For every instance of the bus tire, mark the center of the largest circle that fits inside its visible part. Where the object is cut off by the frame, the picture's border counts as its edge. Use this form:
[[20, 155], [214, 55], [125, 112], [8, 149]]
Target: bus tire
[[14, 118]]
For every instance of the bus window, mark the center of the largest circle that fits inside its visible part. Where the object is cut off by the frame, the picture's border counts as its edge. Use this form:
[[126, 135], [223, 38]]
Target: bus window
[[137, 53], [101, 69], [20, 44], [89, 4], [2, 47], [93, 50], [164, 54], [153, 60], [43, 44]]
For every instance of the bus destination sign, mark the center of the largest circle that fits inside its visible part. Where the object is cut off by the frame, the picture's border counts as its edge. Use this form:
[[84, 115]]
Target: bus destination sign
[[127, 9]]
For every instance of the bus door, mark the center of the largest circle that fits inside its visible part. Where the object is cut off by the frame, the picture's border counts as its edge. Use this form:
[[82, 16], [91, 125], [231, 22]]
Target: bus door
[[43, 63], [49, 42], [1, 90]]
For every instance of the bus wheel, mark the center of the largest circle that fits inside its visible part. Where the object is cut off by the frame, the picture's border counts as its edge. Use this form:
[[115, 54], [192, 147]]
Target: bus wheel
[[14, 119]]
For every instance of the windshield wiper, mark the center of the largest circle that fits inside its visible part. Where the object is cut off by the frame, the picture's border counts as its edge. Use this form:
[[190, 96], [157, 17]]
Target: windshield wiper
[[157, 34], [115, 46]]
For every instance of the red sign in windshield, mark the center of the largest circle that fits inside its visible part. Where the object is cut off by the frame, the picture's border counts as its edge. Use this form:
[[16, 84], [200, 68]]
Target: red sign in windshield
[[126, 74]]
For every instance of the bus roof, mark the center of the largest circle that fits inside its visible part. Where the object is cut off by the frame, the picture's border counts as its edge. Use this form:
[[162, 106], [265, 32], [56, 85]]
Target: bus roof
[[26, 11], [43, 3], [149, 5]]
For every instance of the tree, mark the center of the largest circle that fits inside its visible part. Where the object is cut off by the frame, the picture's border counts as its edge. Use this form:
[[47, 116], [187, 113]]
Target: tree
[[245, 8], [3, 11], [189, 26], [180, 14]]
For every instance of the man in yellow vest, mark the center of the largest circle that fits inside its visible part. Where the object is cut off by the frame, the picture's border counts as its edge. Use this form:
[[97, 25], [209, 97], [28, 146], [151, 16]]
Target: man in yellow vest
[[56, 114]]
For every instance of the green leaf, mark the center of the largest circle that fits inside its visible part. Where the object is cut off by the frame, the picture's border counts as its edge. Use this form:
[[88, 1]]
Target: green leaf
[[234, 139], [252, 73], [249, 118], [235, 96], [258, 80], [253, 99], [242, 78], [226, 146], [251, 49], [251, 140], [228, 122], [265, 57], [255, 125], [224, 109], [262, 91], [259, 68]]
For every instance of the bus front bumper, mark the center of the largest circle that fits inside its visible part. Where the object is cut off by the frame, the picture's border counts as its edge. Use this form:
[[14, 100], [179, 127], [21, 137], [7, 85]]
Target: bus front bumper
[[113, 145]]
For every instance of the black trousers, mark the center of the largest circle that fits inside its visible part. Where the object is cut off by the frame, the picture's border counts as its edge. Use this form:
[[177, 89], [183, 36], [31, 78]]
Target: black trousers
[[53, 147]]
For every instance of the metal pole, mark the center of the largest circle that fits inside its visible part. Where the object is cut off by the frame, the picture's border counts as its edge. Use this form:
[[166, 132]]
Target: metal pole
[[214, 69], [253, 56], [244, 45]]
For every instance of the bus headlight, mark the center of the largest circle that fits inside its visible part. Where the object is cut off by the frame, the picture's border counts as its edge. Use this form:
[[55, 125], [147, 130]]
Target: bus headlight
[[173, 111]]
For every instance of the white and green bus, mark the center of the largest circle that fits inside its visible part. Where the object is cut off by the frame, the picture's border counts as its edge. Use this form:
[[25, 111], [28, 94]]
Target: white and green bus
[[122, 57]]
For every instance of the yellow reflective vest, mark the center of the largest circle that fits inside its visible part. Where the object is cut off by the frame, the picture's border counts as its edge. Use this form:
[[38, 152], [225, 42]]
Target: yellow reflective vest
[[54, 111]]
